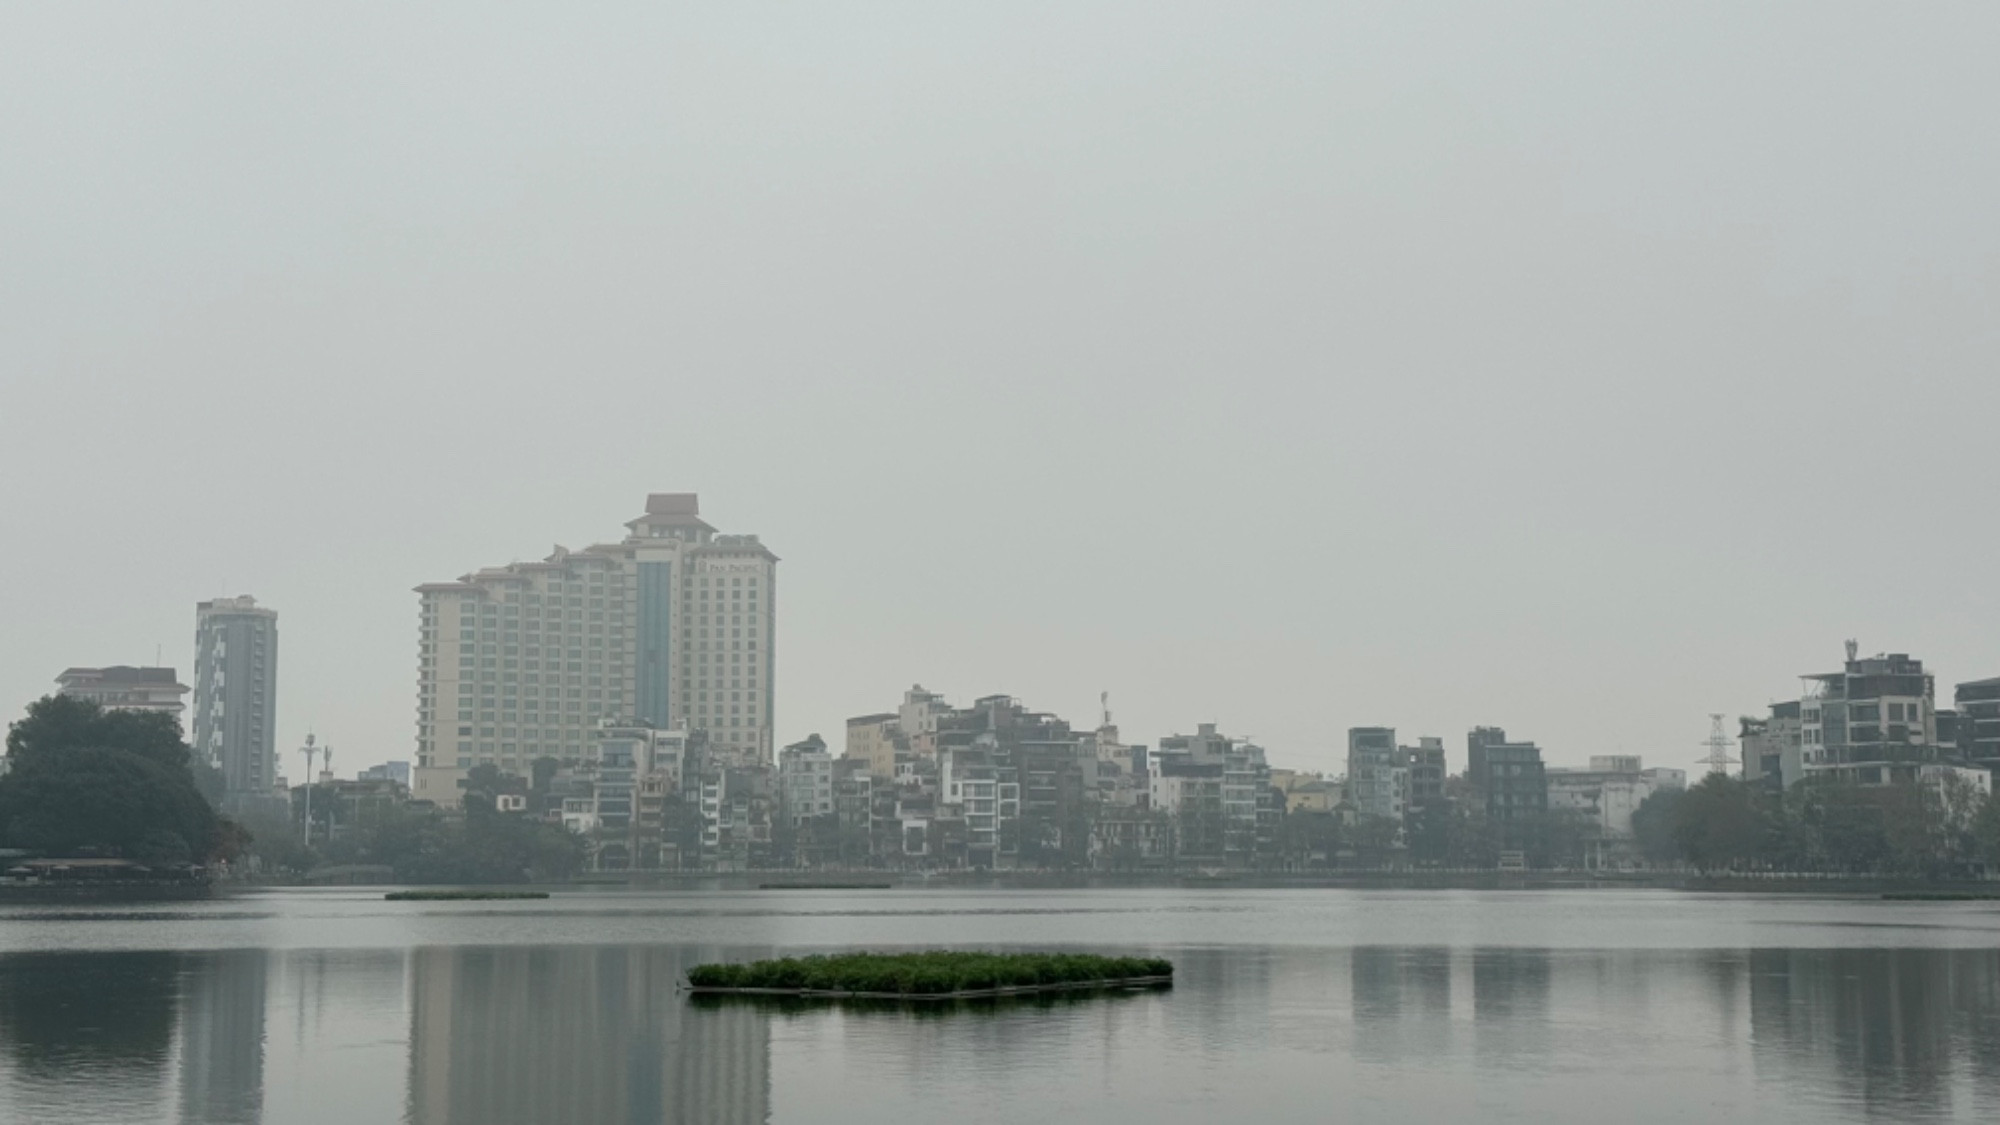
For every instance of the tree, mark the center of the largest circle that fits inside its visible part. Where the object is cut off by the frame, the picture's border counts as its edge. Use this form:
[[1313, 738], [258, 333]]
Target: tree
[[1984, 828], [1653, 826], [1721, 824], [82, 778], [1310, 838], [108, 800], [1374, 839]]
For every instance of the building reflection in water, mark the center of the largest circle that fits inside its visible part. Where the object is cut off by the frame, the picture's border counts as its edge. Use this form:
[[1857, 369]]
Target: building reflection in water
[[1401, 999], [581, 1035], [221, 1048], [1892, 1030], [587, 1035]]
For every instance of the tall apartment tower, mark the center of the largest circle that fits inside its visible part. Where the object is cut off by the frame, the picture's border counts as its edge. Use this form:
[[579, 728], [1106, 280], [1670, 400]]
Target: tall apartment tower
[[672, 627], [236, 693]]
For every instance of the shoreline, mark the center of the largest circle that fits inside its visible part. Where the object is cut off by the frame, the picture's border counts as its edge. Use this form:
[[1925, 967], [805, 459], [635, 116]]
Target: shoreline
[[776, 882]]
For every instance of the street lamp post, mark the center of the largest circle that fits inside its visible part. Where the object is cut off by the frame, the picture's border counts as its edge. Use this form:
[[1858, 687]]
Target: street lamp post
[[309, 750]]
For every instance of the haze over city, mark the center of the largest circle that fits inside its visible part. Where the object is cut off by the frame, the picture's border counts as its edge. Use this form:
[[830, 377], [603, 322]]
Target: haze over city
[[1578, 370]]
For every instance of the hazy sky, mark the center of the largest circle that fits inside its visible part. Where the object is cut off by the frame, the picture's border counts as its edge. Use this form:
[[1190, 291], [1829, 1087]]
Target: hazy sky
[[1580, 368]]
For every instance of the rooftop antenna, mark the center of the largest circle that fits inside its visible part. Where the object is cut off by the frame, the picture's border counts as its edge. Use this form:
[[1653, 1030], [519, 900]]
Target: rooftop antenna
[[1718, 759], [1853, 650], [1104, 704]]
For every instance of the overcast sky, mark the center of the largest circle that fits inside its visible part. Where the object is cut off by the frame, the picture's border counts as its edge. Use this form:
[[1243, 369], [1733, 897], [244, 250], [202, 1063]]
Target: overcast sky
[[1581, 369]]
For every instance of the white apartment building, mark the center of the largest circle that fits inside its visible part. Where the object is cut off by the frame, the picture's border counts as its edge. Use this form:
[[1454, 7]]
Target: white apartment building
[[672, 627], [125, 688], [1610, 791], [805, 781]]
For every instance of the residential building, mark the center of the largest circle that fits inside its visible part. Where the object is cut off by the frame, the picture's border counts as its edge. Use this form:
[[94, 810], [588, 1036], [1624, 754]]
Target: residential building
[[1190, 793], [1873, 722], [918, 717], [398, 772], [1219, 789], [1773, 747], [672, 628], [1378, 781], [620, 789], [1610, 791], [736, 809], [1978, 705], [873, 740], [805, 781], [122, 687], [1425, 761], [1509, 780], [854, 800], [1476, 744], [969, 780], [236, 695], [1051, 769], [1313, 795]]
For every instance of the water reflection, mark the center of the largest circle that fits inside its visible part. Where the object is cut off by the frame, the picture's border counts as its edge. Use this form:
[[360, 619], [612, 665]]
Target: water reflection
[[222, 1036], [580, 1034], [102, 1023], [535, 1035], [1890, 1029]]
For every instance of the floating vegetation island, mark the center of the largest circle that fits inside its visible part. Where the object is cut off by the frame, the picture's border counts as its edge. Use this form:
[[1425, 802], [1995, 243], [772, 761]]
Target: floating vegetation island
[[936, 975], [459, 896]]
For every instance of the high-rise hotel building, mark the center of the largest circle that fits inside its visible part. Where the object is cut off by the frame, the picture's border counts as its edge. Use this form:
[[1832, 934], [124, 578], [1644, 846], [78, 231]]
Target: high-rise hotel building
[[673, 628]]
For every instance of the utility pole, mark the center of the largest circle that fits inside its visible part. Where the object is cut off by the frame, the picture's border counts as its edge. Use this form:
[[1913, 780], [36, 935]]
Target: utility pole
[[333, 811], [1718, 747], [309, 750]]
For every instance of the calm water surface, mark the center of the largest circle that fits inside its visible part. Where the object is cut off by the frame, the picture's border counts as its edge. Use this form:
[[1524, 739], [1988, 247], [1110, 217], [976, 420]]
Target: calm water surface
[[335, 1006]]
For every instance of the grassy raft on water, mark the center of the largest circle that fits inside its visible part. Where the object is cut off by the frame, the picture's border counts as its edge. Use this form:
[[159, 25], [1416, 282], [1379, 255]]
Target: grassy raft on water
[[459, 896], [929, 974]]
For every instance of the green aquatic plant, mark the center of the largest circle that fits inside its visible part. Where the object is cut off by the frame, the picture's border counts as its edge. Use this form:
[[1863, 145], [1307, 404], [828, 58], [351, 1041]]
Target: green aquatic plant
[[933, 973], [459, 896]]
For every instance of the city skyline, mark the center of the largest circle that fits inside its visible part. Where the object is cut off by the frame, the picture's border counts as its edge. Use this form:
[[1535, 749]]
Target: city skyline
[[1292, 373], [1328, 754]]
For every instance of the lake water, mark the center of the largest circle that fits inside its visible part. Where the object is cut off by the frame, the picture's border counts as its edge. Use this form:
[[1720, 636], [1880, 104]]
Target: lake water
[[1291, 1005]]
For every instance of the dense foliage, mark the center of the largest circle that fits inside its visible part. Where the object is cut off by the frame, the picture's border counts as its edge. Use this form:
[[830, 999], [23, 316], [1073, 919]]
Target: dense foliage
[[460, 896], [1726, 825], [81, 779], [926, 974], [423, 845]]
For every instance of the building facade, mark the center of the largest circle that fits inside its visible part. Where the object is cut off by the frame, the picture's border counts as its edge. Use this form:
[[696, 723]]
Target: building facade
[[1978, 704], [1509, 779], [236, 694], [1774, 747], [872, 740], [1378, 781], [673, 627], [805, 781], [1873, 722], [1425, 761], [125, 688], [1610, 791]]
